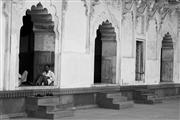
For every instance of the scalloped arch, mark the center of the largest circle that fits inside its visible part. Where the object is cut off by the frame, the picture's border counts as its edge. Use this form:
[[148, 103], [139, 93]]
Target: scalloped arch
[[103, 16], [168, 26]]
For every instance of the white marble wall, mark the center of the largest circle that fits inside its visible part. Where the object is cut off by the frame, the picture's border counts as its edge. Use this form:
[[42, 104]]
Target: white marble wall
[[75, 28], [11, 25], [1, 48]]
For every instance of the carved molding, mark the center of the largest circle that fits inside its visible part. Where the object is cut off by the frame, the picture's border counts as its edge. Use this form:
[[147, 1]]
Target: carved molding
[[56, 25], [6, 6], [141, 6], [64, 5], [86, 5], [92, 5], [114, 3], [127, 6]]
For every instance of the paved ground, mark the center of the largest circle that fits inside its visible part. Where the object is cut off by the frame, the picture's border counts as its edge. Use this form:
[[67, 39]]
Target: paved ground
[[168, 110]]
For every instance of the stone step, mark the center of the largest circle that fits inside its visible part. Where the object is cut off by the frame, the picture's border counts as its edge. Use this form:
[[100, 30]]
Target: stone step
[[110, 105], [117, 105], [119, 99], [151, 101], [113, 101], [147, 97], [52, 115], [47, 109], [127, 104], [63, 114], [112, 95], [43, 101]]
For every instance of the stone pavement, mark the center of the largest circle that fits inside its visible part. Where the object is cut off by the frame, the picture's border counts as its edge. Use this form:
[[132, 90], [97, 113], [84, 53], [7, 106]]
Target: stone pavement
[[168, 110]]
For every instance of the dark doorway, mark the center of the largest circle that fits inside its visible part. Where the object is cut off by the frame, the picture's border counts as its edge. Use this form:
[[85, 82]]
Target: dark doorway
[[26, 47], [167, 59], [98, 57], [105, 54]]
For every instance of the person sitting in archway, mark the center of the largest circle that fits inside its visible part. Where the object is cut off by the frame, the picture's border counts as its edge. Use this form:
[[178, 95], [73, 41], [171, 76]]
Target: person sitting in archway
[[47, 77], [23, 77]]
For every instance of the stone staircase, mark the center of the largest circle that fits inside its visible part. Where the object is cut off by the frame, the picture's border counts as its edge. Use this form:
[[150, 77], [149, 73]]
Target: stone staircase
[[113, 100], [146, 96], [48, 107]]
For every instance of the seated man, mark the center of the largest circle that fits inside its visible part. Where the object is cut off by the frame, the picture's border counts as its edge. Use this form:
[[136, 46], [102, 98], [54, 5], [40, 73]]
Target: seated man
[[47, 77], [23, 77]]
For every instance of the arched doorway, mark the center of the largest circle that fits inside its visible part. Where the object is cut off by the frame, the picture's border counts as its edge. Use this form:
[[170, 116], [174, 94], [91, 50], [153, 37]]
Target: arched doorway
[[37, 42], [167, 59], [105, 54]]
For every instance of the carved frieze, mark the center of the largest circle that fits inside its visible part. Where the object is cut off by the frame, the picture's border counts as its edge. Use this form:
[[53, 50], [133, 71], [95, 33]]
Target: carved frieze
[[86, 5], [114, 3], [93, 3], [140, 6], [127, 5], [6, 8]]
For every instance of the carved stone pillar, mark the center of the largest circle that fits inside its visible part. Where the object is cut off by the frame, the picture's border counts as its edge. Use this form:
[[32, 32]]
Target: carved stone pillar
[[167, 59], [6, 28], [1, 49]]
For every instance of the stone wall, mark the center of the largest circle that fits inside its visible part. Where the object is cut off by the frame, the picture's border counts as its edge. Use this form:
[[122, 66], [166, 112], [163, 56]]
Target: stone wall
[[75, 25], [1, 48]]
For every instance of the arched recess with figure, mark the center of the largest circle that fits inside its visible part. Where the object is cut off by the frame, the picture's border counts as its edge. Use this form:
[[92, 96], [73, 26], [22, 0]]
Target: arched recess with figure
[[37, 42]]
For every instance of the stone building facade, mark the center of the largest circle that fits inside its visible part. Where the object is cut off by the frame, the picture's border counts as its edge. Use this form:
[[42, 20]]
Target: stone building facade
[[90, 43], [65, 34]]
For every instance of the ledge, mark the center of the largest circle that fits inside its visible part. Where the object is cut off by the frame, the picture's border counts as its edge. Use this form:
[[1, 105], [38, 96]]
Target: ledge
[[93, 89], [55, 91]]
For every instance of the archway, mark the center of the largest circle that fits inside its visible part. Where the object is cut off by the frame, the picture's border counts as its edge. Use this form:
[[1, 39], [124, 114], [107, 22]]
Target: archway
[[167, 59], [37, 42], [105, 54]]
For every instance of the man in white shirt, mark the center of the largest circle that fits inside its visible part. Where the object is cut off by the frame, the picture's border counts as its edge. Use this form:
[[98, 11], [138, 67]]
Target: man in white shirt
[[47, 77]]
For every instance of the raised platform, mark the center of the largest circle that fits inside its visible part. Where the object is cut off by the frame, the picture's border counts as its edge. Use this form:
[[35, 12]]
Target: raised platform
[[79, 97]]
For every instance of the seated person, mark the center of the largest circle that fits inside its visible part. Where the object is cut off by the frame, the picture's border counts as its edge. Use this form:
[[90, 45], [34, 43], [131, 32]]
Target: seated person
[[23, 77], [47, 77]]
